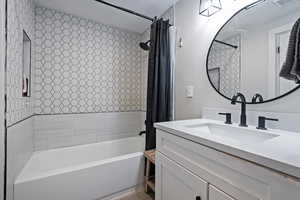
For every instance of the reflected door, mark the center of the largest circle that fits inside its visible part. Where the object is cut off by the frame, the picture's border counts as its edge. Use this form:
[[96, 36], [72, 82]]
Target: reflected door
[[2, 85]]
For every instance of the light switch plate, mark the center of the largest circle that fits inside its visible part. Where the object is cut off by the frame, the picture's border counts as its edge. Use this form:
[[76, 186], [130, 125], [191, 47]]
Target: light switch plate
[[189, 91]]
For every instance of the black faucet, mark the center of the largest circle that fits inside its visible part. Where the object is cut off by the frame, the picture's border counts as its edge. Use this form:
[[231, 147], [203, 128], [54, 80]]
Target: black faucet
[[228, 117], [234, 100], [257, 97], [262, 122]]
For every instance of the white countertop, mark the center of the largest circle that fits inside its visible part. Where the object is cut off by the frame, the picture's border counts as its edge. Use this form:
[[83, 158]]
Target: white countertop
[[281, 153]]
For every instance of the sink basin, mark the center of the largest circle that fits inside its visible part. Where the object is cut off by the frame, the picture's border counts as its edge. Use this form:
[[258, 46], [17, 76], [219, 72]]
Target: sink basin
[[233, 134]]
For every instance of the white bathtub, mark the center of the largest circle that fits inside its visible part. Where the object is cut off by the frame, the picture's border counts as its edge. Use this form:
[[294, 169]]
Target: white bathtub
[[85, 172]]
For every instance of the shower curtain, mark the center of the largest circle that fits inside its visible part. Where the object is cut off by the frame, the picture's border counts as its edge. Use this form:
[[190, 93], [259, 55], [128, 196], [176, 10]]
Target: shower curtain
[[159, 95]]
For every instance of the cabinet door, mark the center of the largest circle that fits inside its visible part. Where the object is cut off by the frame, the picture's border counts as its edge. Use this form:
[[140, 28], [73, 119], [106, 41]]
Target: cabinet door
[[173, 182], [216, 194]]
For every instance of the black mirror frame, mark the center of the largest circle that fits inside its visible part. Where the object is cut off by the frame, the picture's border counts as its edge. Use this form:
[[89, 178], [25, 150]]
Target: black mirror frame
[[207, 58]]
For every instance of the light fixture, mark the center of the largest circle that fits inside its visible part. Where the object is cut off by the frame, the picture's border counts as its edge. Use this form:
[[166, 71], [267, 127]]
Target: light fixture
[[209, 7]]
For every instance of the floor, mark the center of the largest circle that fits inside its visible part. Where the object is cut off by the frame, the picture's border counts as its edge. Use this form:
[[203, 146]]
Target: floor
[[137, 196]]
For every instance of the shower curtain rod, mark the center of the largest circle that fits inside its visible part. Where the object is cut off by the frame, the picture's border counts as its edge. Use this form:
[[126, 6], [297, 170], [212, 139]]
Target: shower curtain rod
[[126, 10], [230, 45]]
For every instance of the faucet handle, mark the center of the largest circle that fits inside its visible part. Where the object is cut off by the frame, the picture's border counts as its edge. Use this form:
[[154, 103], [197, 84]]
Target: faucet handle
[[228, 117], [258, 97], [262, 122]]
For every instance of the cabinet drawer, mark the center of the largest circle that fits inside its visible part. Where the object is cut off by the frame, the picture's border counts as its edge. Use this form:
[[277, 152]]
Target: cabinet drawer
[[173, 182], [239, 178], [216, 194]]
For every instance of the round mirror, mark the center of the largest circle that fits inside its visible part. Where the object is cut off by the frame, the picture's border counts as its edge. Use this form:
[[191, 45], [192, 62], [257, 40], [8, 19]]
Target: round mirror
[[249, 53]]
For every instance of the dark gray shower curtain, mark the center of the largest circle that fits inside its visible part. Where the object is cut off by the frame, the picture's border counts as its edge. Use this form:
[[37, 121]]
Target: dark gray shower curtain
[[159, 80]]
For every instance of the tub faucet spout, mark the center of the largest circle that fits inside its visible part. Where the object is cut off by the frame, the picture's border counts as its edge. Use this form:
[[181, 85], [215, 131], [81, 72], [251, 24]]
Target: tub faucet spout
[[142, 133]]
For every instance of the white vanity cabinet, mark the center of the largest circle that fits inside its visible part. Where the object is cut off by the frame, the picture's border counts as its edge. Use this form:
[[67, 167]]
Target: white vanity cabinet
[[216, 194], [186, 170], [177, 183]]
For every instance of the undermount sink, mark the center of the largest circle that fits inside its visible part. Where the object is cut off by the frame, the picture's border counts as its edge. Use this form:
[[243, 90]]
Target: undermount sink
[[234, 134]]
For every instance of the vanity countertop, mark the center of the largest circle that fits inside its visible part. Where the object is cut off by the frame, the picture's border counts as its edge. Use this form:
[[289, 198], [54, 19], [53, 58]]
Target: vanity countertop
[[280, 153]]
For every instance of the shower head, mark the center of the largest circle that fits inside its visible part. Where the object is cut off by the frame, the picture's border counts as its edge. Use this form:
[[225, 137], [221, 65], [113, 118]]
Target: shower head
[[145, 45]]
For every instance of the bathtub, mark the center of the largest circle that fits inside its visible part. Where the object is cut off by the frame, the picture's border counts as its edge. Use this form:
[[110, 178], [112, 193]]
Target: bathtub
[[86, 172]]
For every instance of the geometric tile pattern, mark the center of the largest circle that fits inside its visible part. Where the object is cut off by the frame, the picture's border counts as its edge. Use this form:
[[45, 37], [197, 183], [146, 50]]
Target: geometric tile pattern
[[20, 16], [229, 61], [144, 68], [83, 66]]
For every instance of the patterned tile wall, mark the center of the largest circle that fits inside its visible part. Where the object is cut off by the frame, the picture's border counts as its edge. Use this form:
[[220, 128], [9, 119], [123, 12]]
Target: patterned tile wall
[[20, 16], [19, 137], [229, 62], [79, 66], [144, 68], [83, 66]]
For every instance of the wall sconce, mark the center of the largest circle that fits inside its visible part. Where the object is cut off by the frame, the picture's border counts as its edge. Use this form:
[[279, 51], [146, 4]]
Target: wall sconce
[[209, 7]]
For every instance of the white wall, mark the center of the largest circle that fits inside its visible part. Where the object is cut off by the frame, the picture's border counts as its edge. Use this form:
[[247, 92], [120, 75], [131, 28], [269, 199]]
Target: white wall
[[197, 33], [2, 58]]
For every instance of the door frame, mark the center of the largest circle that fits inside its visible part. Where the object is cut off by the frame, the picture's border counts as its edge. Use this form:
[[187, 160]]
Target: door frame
[[3, 59], [272, 71]]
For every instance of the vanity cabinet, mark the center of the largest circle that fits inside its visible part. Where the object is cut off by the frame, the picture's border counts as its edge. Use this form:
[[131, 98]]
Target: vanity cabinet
[[186, 170], [177, 183], [216, 194]]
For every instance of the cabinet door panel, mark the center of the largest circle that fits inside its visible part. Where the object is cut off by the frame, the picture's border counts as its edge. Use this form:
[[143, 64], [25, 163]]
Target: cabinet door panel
[[176, 183], [216, 194]]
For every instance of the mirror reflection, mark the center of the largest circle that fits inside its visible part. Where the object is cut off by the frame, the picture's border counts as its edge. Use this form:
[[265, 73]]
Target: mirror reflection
[[249, 54]]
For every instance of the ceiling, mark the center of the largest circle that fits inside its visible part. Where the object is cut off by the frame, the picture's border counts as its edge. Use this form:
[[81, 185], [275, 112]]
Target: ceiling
[[93, 10]]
